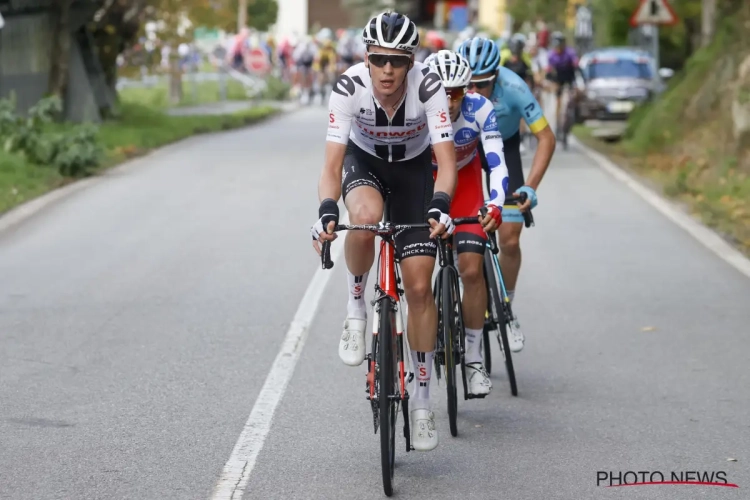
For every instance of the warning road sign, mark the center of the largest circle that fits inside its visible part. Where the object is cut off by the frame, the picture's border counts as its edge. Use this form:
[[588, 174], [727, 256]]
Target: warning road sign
[[653, 12]]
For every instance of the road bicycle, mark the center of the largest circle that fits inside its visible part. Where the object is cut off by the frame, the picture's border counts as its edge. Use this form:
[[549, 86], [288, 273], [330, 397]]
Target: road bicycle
[[499, 316], [451, 340], [386, 362], [387, 377]]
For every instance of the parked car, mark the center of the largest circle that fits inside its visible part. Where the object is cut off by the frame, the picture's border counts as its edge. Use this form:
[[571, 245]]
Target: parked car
[[615, 81]]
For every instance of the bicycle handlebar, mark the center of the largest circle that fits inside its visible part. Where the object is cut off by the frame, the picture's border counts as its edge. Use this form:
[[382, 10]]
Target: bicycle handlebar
[[383, 229]]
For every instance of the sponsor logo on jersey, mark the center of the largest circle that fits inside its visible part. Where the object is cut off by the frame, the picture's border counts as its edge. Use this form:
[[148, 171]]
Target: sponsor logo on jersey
[[464, 136], [331, 118], [363, 111], [491, 122], [494, 136], [392, 134]]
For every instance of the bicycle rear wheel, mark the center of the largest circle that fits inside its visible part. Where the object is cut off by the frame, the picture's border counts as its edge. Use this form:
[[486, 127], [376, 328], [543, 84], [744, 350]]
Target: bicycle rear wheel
[[498, 313], [387, 380], [447, 329]]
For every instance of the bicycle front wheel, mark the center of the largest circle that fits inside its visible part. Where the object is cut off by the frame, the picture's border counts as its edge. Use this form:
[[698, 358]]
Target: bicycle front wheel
[[499, 318], [387, 405], [447, 323]]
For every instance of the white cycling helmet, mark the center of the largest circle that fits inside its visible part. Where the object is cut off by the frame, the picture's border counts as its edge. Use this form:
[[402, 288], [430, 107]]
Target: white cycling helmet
[[454, 70], [392, 31]]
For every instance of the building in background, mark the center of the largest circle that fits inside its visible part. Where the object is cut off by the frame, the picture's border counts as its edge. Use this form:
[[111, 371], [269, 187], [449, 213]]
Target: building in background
[[493, 16], [298, 17]]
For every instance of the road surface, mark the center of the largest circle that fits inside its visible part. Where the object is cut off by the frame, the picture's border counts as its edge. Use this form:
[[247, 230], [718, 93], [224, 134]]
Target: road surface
[[140, 317]]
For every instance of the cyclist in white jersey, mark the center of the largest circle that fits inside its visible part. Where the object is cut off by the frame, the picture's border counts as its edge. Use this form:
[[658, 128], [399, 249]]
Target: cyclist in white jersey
[[474, 120], [384, 113]]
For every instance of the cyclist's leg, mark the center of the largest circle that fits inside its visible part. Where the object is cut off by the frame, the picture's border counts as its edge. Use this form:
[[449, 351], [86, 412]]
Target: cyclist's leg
[[510, 233], [411, 187], [363, 196], [471, 242]]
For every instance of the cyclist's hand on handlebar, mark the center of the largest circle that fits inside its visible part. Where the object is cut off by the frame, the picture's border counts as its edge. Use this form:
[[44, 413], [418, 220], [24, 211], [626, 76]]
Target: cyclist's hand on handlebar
[[492, 219], [438, 216], [323, 228], [531, 200], [324, 236], [442, 229]]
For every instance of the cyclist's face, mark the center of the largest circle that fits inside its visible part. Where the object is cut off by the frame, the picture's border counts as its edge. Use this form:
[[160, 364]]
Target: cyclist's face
[[482, 85], [455, 98], [388, 68]]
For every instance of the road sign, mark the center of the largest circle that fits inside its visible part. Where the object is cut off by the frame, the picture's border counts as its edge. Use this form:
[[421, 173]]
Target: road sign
[[257, 60], [653, 12]]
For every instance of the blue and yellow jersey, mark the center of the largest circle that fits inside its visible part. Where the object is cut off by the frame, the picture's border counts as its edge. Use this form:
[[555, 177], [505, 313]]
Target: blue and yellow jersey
[[514, 101]]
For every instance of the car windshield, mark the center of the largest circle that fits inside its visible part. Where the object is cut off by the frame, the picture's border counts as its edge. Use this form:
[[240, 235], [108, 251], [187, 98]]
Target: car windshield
[[619, 68]]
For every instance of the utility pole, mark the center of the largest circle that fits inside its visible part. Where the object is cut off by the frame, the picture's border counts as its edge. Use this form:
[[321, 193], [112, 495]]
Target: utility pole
[[241, 15]]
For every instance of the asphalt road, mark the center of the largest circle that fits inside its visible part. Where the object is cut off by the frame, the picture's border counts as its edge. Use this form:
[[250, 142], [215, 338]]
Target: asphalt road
[[140, 316]]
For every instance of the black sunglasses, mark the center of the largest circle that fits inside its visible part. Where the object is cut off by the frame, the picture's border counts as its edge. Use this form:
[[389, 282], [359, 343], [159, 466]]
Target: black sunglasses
[[396, 60]]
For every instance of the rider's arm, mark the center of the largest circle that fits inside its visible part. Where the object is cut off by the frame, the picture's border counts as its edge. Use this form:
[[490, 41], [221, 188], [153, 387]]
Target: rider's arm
[[527, 104], [492, 148], [441, 133], [339, 125]]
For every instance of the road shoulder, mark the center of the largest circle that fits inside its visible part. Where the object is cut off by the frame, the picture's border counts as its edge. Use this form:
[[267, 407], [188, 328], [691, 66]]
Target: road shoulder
[[705, 235], [33, 206]]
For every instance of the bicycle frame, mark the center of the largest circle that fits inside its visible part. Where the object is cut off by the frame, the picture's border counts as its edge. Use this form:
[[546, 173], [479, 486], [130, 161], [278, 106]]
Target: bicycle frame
[[388, 292]]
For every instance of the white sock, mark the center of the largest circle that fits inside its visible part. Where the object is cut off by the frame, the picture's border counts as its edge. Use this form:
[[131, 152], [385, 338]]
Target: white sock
[[511, 294], [356, 307], [473, 343], [423, 365]]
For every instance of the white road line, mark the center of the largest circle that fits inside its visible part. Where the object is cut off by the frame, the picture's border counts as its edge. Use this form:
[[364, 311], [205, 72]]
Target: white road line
[[236, 473], [703, 234]]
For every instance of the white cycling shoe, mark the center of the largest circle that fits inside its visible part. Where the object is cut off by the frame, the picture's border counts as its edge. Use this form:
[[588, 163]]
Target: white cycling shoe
[[424, 435], [478, 380], [352, 343], [515, 336]]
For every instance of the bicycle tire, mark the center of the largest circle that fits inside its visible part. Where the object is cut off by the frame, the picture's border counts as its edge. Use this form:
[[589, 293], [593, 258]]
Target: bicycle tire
[[488, 320], [447, 331], [499, 313], [387, 365], [487, 348]]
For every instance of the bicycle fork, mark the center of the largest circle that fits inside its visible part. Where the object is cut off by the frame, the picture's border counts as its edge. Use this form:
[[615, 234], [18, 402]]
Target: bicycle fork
[[374, 391]]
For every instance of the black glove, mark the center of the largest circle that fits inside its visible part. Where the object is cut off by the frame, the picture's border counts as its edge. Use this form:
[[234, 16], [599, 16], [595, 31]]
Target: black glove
[[328, 211], [439, 209]]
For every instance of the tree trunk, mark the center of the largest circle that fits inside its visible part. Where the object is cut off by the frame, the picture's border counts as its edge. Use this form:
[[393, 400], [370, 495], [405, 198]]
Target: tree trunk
[[60, 54], [708, 21]]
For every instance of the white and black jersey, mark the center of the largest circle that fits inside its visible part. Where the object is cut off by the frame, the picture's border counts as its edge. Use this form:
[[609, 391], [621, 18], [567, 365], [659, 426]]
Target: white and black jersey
[[421, 118]]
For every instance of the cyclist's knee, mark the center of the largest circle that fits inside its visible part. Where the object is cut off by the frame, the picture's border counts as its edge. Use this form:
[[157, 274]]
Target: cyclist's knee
[[364, 213], [471, 270], [510, 244], [418, 293]]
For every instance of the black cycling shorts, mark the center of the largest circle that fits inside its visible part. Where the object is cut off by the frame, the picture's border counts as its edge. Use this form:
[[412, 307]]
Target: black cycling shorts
[[562, 79], [409, 186], [512, 152]]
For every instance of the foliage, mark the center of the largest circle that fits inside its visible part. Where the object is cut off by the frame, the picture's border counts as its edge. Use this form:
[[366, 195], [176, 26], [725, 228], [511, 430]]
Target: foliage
[[74, 152], [139, 129]]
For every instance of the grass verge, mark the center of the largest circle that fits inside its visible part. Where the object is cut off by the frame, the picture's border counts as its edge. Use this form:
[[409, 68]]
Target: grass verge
[[139, 130], [714, 189]]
